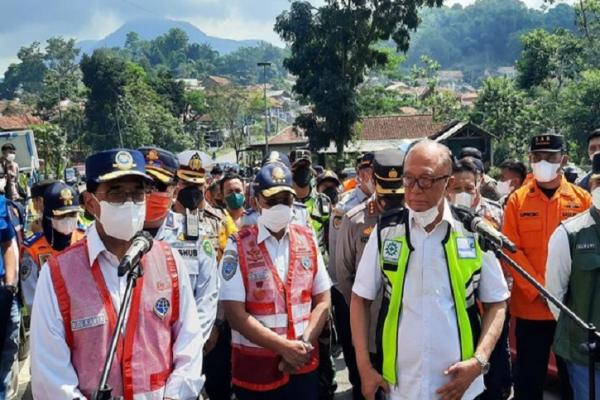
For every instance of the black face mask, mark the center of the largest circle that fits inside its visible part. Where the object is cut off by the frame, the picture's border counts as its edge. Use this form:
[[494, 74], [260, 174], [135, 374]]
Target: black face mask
[[190, 197], [332, 193], [302, 176], [390, 202]]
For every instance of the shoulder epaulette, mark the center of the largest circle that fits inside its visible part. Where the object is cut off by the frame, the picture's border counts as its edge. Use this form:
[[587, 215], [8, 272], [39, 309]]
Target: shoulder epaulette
[[29, 241]]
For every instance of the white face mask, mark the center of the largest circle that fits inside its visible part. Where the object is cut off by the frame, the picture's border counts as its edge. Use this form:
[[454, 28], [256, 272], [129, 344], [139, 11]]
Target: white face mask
[[504, 188], [596, 197], [66, 226], [11, 157], [425, 218], [544, 171], [275, 218], [122, 221], [463, 199]]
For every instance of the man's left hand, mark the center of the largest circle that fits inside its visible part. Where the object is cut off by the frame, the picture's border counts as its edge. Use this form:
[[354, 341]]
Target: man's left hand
[[462, 374]]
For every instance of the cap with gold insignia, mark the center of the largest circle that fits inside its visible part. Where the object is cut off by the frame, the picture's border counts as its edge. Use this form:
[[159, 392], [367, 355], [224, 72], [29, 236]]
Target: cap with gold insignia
[[161, 164], [301, 155], [328, 175], [60, 199], [113, 164], [387, 170], [550, 142], [273, 178], [193, 165], [38, 188], [276, 156]]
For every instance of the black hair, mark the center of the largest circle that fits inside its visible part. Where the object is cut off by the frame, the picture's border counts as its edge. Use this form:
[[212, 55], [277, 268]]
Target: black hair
[[592, 135], [91, 186], [465, 165], [229, 177], [515, 166]]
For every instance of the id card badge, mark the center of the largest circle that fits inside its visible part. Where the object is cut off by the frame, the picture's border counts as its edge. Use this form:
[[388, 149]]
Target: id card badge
[[466, 247], [192, 226]]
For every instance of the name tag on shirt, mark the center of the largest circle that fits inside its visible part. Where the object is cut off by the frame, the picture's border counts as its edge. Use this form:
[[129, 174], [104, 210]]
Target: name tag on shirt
[[88, 322], [466, 247]]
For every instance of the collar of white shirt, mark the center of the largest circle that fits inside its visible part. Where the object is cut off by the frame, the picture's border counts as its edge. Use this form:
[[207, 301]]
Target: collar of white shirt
[[264, 233], [446, 216], [95, 245]]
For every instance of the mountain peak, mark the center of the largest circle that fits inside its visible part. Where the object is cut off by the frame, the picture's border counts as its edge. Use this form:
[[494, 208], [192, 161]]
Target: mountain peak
[[150, 28]]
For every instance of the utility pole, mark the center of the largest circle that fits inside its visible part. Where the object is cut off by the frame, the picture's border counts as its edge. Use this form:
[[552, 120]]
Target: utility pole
[[265, 65]]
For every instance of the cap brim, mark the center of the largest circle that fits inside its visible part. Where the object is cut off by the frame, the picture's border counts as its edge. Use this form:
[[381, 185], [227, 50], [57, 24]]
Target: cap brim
[[546, 151], [160, 175], [381, 190], [111, 176], [277, 189], [199, 180], [66, 210]]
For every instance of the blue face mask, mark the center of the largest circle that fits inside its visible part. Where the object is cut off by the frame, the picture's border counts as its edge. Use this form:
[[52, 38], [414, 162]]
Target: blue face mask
[[235, 201]]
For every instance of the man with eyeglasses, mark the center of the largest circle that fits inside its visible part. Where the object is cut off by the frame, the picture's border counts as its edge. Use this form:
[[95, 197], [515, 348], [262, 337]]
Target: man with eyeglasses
[[532, 213], [59, 231], [79, 294], [431, 271], [275, 291]]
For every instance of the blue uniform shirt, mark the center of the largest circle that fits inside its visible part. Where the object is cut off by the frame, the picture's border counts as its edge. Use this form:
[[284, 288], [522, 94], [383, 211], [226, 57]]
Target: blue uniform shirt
[[7, 231]]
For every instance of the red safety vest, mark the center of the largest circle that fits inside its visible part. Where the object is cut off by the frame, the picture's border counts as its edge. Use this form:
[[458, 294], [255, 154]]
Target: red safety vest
[[144, 358], [283, 307]]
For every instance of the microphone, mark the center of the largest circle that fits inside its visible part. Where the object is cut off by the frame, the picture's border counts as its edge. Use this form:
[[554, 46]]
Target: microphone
[[476, 224], [141, 244]]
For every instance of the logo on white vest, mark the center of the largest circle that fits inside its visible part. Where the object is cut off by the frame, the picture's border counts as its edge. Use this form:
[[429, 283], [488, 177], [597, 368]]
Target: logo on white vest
[[161, 307], [391, 251]]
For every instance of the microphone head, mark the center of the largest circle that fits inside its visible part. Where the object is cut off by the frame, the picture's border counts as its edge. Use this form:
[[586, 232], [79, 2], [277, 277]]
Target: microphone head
[[146, 237]]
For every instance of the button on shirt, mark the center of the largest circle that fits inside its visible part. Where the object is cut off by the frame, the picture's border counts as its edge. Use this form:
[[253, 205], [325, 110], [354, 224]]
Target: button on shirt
[[428, 340], [279, 251], [52, 374]]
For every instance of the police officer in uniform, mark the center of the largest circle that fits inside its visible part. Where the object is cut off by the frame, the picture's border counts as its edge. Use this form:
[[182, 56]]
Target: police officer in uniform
[[198, 214], [79, 294], [59, 231], [167, 226], [356, 227], [275, 291], [317, 204]]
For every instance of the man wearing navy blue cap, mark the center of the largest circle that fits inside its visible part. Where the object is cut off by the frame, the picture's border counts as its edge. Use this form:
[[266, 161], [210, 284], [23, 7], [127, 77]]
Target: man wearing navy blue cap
[[59, 231], [79, 294], [275, 291]]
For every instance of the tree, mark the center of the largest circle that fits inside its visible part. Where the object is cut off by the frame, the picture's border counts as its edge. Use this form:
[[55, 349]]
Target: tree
[[27, 75], [332, 50]]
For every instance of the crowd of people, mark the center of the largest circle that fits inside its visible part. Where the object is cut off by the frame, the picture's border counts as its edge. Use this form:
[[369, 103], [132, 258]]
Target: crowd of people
[[254, 285]]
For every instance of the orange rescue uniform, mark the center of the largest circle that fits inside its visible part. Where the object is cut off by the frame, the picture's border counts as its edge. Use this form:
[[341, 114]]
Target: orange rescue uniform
[[530, 217]]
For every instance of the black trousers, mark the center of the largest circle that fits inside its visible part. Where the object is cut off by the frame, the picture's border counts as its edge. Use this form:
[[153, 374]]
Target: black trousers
[[534, 339], [341, 313], [217, 367], [300, 387]]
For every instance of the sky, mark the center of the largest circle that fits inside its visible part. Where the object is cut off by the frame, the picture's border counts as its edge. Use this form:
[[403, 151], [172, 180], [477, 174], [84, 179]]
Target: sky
[[25, 21]]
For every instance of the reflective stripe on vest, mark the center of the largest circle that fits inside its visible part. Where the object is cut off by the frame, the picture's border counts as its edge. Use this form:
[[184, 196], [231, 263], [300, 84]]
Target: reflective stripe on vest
[[463, 270], [144, 354], [283, 307]]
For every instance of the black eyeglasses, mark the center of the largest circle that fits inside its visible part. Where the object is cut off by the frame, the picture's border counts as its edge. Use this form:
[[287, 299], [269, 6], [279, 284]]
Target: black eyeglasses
[[424, 182], [273, 201], [118, 197]]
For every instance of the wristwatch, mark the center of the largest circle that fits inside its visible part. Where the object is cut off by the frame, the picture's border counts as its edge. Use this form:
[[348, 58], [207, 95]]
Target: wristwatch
[[484, 364], [12, 288]]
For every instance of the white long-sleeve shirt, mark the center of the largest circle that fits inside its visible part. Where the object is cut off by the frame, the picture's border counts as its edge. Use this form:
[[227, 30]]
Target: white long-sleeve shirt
[[52, 374], [558, 266]]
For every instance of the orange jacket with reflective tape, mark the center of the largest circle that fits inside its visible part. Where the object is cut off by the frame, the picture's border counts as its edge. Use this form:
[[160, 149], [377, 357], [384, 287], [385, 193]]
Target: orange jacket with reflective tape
[[530, 218]]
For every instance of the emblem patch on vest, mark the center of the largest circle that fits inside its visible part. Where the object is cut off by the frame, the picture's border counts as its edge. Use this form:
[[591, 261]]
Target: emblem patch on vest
[[161, 307], [25, 271], [391, 251], [306, 263], [466, 247], [207, 247], [88, 322]]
